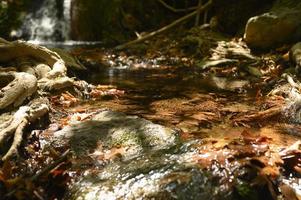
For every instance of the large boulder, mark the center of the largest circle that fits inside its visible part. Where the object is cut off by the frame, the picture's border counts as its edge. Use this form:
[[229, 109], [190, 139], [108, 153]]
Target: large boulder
[[281, 25]]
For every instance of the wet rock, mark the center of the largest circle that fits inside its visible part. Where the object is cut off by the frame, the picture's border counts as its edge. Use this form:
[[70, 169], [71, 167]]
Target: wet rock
[[228, 53], [153, 166], [295, 56], [152, 176], [192, 170], [110, 129], [215, 63], [226, 84], [280, 25]]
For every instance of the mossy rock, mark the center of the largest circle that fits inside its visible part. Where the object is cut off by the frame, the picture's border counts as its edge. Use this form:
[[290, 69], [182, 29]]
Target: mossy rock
[[114, 129]]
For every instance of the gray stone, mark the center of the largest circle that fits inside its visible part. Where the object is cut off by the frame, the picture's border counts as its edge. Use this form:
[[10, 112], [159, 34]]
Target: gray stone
[[157, 165], [114, 129], [149, 178], [295, 56], [226, 84], [280, 26]]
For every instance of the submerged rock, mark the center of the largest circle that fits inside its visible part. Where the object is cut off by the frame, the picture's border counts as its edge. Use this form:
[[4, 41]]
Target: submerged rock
[[153, 164], [150, 177], [226, 84]]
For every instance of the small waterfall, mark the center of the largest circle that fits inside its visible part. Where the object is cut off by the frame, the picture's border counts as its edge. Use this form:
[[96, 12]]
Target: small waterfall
[[47, 21], [67, 18]]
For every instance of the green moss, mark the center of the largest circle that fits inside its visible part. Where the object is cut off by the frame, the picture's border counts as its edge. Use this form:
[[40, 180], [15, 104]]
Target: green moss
[[127, 139], [245, 192]]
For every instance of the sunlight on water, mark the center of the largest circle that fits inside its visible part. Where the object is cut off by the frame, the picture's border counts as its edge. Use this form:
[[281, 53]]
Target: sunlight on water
[[67, 43]]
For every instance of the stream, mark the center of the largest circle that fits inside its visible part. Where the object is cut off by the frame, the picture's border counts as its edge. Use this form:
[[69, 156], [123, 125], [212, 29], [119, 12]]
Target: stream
[[186, 116], [202, 155]]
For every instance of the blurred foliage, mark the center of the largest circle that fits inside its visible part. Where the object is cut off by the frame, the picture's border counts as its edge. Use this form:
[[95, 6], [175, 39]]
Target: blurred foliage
[[10, 15], [116, 20]]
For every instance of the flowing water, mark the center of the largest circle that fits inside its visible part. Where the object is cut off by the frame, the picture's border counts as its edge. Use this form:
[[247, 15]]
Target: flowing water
[[47, 20], [200, 107], [48, 23]]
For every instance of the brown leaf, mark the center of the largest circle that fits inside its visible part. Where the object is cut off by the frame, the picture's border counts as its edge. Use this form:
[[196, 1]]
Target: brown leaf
[[288, 192]]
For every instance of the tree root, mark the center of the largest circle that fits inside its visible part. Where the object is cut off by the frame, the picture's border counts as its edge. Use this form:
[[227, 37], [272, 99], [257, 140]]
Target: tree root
[[57, 84], [22, 87], [175, 9], [19, 49], [261, 115], [36, 69], [41, 69], [23, 117]]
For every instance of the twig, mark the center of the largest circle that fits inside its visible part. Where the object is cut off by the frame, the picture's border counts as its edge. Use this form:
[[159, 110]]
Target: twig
[[165, 28], [175, 9], [205, 17], [50, 167], [41, 173], [197, 18]]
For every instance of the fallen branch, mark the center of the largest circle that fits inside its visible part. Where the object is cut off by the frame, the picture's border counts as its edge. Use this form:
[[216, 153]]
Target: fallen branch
[[261, 115], [165, 28], [197, 18], [175, 9], [52, 166]]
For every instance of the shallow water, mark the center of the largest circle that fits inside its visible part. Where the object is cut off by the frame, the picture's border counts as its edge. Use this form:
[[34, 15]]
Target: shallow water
[[67, 44], [173, 95], [201, 107]]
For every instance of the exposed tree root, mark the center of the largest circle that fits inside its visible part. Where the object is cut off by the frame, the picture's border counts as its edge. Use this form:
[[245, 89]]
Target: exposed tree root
[[19, 49], [23, 117], [36, 69], [295, 56], [57, 84], [40, 67], [22, 87]]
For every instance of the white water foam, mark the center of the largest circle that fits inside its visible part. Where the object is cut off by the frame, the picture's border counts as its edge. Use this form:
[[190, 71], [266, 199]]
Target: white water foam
[[48, 21]]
